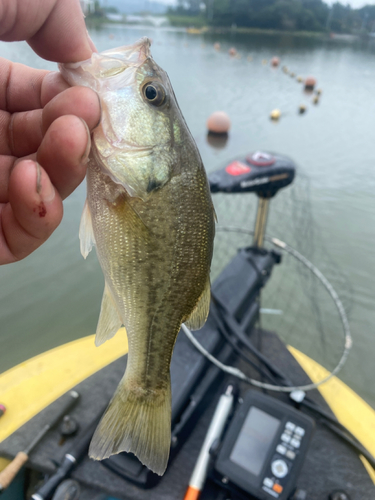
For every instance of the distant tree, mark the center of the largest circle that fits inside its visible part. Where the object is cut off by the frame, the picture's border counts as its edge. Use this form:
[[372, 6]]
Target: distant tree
[[188, 7], [110, 10], [344, 19], [319, 9], [309, 15], [366, 15]]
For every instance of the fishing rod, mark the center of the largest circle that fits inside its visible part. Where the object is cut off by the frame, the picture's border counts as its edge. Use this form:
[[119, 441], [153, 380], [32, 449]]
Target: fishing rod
[[75, 454], [11, 470]]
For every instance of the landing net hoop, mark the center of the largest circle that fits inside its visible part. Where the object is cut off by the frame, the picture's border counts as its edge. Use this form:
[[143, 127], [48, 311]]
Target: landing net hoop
[[332, 292]]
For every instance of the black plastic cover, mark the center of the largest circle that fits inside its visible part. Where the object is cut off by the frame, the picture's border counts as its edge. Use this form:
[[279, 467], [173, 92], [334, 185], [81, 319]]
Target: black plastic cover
[[260, 172]]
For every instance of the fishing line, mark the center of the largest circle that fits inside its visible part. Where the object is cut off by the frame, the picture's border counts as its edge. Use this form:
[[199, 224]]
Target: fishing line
[[332, 292]]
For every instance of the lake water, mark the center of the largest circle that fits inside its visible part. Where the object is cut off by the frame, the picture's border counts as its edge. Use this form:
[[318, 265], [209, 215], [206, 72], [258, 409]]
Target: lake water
[[54, 296]]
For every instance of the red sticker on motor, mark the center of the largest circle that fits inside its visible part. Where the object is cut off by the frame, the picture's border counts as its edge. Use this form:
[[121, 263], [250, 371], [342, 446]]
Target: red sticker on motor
[[237, 168]]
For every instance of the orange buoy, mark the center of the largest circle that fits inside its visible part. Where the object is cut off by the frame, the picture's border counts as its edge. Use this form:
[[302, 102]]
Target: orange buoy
[[275, 61], [310, 83], [232, 51], [218, 123]]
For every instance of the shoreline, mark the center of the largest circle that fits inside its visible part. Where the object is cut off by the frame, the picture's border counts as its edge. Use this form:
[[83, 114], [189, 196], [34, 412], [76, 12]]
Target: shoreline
[[96, 23], [206, 29]]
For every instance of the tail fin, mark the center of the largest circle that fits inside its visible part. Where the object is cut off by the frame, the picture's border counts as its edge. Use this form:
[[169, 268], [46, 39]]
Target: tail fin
[[136, 422]]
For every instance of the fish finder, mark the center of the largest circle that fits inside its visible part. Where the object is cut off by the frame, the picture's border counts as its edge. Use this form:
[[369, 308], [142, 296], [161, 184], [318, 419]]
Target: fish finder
[[263, 449]]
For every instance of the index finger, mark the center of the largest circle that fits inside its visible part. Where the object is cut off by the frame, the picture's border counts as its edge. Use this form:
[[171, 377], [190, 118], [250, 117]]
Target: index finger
[[55, 29]]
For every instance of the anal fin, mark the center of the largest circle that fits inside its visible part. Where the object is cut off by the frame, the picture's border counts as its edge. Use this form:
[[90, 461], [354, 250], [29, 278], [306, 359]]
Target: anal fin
[[109, 319], [199, 314]]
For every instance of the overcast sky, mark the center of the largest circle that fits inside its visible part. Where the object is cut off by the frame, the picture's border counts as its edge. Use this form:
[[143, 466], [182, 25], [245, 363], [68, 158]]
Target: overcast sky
[[353, 3]]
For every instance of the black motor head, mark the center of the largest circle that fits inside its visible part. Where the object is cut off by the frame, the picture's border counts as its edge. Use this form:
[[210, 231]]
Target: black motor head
[[260, 172]]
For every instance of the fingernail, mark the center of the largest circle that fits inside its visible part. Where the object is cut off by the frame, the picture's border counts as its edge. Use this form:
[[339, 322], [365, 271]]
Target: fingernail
[[44, 186], [86, 153]]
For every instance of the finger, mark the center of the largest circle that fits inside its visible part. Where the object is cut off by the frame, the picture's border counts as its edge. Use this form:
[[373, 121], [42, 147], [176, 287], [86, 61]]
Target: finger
[[23, 88], [53, 83], [63, 153], [80, 101], [4, 136], [19, 86], [6, 164], [20, 133], [54, 29], [32, 214]]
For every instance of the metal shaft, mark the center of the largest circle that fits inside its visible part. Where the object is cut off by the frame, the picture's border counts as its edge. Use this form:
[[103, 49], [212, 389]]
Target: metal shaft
[[261, 221]]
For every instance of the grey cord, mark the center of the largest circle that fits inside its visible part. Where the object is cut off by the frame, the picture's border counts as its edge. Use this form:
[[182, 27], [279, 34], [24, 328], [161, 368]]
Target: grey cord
[[270, 387]]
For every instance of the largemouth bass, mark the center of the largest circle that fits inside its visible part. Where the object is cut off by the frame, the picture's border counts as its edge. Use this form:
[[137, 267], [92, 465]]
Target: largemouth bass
[[150, 215]]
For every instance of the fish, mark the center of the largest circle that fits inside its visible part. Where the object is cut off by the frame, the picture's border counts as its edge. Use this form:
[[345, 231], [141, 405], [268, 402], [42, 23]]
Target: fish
[[150, 215]]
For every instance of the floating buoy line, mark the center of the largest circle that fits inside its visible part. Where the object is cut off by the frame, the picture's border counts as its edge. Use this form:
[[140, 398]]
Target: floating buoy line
[[309, 82]]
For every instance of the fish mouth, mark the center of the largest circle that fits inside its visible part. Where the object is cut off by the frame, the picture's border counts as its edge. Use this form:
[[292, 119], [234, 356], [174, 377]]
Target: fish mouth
[[134, 55], [109, 63]]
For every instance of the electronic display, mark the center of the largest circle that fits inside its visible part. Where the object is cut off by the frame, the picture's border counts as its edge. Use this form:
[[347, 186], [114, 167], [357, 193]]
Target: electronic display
[[254, 440], [263, 449]]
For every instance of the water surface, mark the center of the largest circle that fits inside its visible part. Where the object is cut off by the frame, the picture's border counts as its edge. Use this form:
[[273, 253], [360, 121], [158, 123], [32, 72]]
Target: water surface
[[54, 296]]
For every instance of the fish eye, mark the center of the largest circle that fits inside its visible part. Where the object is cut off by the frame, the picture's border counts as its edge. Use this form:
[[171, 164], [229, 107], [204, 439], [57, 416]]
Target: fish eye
[[154, 93]]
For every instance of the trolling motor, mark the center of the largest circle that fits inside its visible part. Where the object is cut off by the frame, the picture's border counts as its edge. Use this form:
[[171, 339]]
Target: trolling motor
[[238, 287], [260, 173]]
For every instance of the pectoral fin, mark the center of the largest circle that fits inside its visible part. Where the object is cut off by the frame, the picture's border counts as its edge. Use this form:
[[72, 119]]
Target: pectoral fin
[[199, 315], [86, 234], [109, 319]]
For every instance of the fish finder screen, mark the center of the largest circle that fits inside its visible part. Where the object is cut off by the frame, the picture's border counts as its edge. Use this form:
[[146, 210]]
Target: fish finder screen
[[254, 440]]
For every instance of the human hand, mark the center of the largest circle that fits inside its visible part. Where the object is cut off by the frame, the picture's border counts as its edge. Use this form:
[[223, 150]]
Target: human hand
[[44, 124]]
